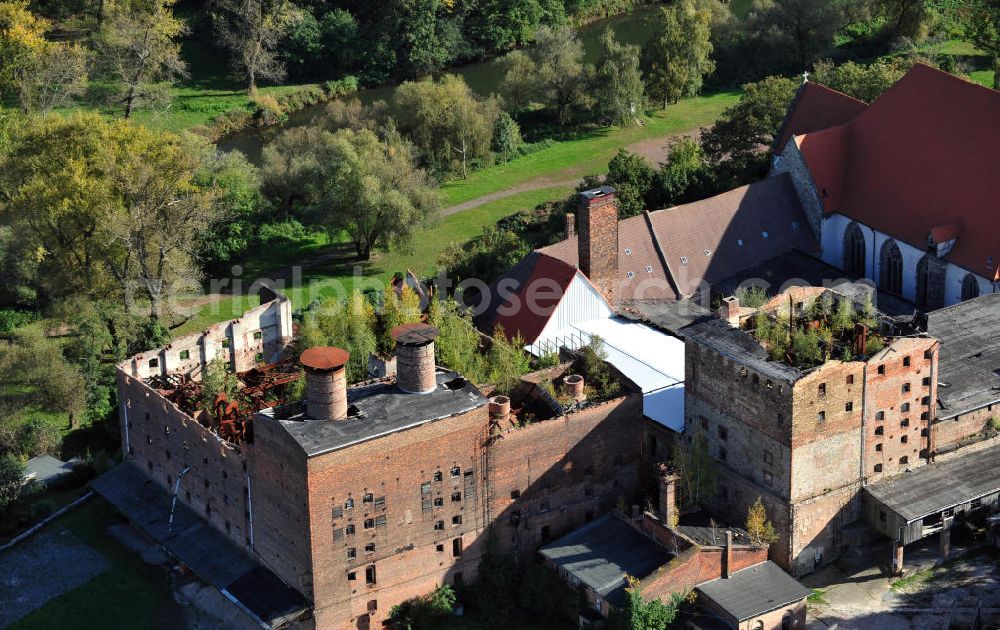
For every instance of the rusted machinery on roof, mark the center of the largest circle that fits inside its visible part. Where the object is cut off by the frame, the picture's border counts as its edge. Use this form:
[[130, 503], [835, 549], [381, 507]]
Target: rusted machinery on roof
[[259, 388]]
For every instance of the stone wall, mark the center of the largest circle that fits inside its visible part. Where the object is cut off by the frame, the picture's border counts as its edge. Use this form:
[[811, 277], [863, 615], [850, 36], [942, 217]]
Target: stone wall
[[791, 161], [961, 433]]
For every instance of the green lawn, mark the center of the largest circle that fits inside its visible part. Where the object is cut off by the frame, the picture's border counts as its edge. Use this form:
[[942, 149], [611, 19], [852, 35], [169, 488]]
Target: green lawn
[[130, 594], [589, 153]]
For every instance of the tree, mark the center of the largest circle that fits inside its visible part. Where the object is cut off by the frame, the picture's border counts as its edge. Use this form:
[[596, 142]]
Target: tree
[[559, 69], [11, 479], [982, 28], [160, 213], [252, 30], [349, 325], [903, 18], [638, 613], [696, 468], [239, 200], [805, 27], [758, 526], [752, 123], [458, 342], [502, 24], [507, 361], [422, 44], [425, 611], [56, 76], [373, 190], [292, 165], [620, 91], [22, 40], [865, 82], [37, 364], [676, 58], [506, 137], [138, 51], [632, 177], [686, 176], [518, 85], [446, 121]]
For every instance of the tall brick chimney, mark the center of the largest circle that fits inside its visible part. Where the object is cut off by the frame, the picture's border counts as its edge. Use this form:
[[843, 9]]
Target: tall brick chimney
[[598, 241], [668, 495], [326, 382], [415, 371], [727, 568], [570, 225]]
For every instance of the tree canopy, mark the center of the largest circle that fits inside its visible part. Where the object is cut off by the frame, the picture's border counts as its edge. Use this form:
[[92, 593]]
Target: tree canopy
[[676, 58]]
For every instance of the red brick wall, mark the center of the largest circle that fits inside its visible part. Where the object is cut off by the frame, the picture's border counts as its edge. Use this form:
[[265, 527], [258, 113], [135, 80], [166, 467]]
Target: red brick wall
[[280, 504], [405, 558], [694, 566], [598, 243], [962, 429], [887, 406], [162, 440], [559, 473]]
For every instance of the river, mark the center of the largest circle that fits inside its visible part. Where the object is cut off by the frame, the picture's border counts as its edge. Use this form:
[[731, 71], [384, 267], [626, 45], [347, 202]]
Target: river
[[633, 28]]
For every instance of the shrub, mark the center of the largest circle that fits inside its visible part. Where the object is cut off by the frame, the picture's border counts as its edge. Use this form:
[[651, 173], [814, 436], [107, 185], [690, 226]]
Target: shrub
[[289, 230], [11, 320], [341, 87], [506, 137], [11, 474], [752, 297]]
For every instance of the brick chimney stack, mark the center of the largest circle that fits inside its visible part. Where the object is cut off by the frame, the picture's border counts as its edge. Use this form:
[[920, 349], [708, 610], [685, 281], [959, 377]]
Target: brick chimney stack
[[727, 568], [668, 495], [598, 241], [415, 370], [570, 225], [730, 311], [326, 382]]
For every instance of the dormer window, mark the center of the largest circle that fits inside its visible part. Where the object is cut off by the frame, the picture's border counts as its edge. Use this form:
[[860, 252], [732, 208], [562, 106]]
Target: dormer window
[[649, 268], [629, 274], [628, 252], [684, 260]]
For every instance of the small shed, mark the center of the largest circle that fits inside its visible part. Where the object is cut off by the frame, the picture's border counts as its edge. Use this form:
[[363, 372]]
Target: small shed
[[761, 597]]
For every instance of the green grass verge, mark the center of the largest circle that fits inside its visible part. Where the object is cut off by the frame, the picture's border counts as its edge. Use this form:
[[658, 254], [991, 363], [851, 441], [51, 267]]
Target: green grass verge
[[130, 594], [816, 596], [589, 153]]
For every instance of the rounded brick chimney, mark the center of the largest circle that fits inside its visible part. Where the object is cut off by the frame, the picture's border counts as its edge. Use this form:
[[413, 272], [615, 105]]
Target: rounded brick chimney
[[326, 382], [499, 408], [573, 386], [415, 371]]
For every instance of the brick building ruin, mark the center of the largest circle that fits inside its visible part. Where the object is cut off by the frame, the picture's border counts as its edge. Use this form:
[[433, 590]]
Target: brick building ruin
[[356, 497]]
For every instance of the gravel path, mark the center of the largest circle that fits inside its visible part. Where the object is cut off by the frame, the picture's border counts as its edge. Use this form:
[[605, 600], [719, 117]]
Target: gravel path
[[42, 568]]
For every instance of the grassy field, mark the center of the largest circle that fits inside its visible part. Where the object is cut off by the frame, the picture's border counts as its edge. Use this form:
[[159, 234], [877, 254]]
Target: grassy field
[[130, 594], [589, 153]]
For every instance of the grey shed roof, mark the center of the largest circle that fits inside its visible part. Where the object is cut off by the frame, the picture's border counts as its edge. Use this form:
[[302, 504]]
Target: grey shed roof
[[378, 409], [210, 554], [47, 469], [935, 487], [969, 364], [754, 591], [602, 552]]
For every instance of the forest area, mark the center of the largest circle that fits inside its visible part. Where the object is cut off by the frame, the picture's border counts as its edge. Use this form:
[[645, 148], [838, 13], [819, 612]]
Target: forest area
[[115, 200]]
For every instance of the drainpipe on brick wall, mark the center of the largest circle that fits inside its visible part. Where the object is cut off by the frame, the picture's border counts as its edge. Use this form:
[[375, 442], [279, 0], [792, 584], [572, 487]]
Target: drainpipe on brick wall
[[249, 509], [173, 503], [932, 406], [864, 420], [128, 444]]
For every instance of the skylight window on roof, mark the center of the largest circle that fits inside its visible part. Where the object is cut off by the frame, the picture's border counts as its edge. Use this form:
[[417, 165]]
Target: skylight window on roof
[[630, 274], [649, 268], [708, 252], [628, 252], [764, 233], [795, 225], [739, 242], [684, 260]]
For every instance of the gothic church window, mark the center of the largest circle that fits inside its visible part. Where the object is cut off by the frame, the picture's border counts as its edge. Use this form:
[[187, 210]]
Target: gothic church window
[[970, 287], [854, 250], [891, 280]]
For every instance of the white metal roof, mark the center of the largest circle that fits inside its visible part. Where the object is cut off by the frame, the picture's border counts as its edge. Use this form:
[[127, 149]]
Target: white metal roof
[[654, 361]]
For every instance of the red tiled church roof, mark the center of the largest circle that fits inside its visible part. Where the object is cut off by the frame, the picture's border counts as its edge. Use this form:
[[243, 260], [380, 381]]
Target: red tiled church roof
[[924, 155], [816, 107]]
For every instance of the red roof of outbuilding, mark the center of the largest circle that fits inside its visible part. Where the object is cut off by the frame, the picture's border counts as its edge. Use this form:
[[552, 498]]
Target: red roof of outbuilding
[[925, 154], [816, 107]]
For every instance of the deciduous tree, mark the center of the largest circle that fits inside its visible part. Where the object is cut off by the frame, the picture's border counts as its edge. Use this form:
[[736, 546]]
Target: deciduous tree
[[982, 27], [252, 30], [620, 91], [138, 50], [676, 58], [632, 176], [862, 81], [373, 190], [760, 529], [22, 40]]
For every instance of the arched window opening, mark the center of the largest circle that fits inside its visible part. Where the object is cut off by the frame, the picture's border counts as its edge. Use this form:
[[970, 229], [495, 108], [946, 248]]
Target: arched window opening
[[854, 250], [891, 265], [970, 287]]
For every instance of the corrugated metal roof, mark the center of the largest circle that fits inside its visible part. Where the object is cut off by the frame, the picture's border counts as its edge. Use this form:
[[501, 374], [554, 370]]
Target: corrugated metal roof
[[935, 487], [754, 591]]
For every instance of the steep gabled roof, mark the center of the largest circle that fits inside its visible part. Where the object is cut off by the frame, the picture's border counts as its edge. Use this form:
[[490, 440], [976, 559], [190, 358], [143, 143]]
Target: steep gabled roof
[[665, 250], [524, 299], [816, 107], [712, 239], [922, 156]]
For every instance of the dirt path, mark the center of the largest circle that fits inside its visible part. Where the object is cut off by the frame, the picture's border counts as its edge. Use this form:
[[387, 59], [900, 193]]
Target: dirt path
[[653, 149]]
